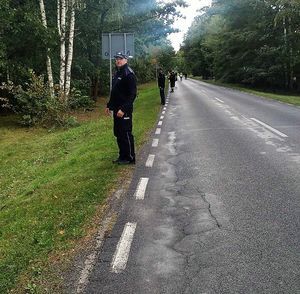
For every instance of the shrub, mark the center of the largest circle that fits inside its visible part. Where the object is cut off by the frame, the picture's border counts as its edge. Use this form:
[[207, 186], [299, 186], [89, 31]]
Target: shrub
[[36, 105], [77, 100]]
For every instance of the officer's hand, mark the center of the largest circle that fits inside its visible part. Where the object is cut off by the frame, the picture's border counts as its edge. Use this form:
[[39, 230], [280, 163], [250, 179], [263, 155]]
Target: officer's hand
[[120, 113], [107, 111]]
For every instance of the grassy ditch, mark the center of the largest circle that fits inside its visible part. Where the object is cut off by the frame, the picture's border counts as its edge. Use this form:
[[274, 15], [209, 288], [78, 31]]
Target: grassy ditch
[[52, 183], [286, 98]]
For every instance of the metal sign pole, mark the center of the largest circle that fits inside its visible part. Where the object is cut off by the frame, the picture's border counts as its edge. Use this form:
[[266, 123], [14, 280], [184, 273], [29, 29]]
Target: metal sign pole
[[125, 44], [110, 66]]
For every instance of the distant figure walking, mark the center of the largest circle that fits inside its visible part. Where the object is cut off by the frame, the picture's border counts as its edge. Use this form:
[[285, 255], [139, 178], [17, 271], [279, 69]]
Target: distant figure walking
[[180, 76], [185, 76], [172, 79], [161, 80]]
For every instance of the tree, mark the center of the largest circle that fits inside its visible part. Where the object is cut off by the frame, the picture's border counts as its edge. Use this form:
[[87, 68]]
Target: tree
[[61, 39], [254, 42], [48, 62]]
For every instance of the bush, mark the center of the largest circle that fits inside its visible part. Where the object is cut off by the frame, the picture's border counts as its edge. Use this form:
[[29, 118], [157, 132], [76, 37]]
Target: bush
[[36, 105], [77, 100]]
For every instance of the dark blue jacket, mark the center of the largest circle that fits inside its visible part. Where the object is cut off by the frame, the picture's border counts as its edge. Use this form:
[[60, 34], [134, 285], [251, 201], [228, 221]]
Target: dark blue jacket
[[161, 80], [123, 90]]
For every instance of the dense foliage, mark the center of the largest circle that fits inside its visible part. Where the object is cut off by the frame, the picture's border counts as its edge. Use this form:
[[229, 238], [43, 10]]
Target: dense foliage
[[252, 42], [26, 42]]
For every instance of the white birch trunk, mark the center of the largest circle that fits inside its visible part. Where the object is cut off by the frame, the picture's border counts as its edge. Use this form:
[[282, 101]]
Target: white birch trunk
[[62, 45], [58, 18], [70, 48], [48, 61]]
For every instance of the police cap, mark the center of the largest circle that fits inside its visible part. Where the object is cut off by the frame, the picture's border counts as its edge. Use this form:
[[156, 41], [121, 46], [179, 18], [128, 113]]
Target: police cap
[[121, 55]]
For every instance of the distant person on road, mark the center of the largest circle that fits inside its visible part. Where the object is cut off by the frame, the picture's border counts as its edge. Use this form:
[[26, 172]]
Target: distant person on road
[[121, 100], [172, 79], [185, 76], [180, 75], [161, 84]]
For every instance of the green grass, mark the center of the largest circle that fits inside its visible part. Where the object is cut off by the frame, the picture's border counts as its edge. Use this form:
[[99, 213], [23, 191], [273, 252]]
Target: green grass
[[51, 184], [286, 98]]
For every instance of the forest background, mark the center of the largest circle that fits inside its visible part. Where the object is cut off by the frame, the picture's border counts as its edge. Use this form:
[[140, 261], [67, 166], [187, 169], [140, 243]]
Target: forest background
[[251, 42], [50, 52]]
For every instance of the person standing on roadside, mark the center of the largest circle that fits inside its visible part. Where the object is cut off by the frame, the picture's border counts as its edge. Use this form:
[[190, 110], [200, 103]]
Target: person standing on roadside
[[161, 80], [122, 96], [172, 79]]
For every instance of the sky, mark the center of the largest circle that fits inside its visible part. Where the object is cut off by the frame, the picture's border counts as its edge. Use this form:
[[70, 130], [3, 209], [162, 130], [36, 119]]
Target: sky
[[183, 24]]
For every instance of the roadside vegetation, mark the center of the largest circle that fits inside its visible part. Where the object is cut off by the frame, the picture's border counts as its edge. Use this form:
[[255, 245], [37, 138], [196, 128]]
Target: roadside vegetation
[[254, 43], [53, 182]]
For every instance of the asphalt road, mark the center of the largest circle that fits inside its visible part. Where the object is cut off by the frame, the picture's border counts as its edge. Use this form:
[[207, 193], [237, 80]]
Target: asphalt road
[[217, 208]]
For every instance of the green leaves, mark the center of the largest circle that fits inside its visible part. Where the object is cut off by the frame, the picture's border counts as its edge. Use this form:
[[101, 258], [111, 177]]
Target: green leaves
[[247, 41]]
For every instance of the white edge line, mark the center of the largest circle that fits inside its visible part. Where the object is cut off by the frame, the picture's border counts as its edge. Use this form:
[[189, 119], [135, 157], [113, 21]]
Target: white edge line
[[155, 142], [91, 259], [150, 160], [120, 258], [141, 189], [269, 128]]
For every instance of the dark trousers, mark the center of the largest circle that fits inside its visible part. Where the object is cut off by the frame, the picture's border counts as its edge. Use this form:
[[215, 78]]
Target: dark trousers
[[125, 139], [162, 96]]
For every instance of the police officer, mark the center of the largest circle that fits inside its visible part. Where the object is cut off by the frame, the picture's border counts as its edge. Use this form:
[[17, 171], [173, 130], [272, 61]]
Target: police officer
[[161, 84], [172, 79], [120, 103]]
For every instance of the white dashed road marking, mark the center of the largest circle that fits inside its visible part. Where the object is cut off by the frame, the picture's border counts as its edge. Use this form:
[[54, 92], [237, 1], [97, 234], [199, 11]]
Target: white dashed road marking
[[157, 132], [163, 112], [159, 123], [150, 160], [141, 189], [270, 128], [123, 248], [155, 142], [219, 100], [162, 117]]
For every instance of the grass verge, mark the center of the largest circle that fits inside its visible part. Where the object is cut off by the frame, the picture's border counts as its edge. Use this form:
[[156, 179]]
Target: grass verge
[[52, 184], [286, 98]]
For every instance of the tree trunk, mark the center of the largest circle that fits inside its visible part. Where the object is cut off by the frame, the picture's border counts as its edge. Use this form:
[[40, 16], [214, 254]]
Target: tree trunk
[[62, 29], [286, 67], [48, 61], [291, 61], [70, 48]]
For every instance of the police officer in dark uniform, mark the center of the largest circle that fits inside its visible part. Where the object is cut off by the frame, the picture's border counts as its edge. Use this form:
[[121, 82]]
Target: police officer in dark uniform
[[120, 103], [172, 79], [161, 84]]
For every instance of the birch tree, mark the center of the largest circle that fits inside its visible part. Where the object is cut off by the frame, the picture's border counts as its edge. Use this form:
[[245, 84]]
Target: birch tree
[[61, 26], [48, 61], [70, 48], [66, 31]]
